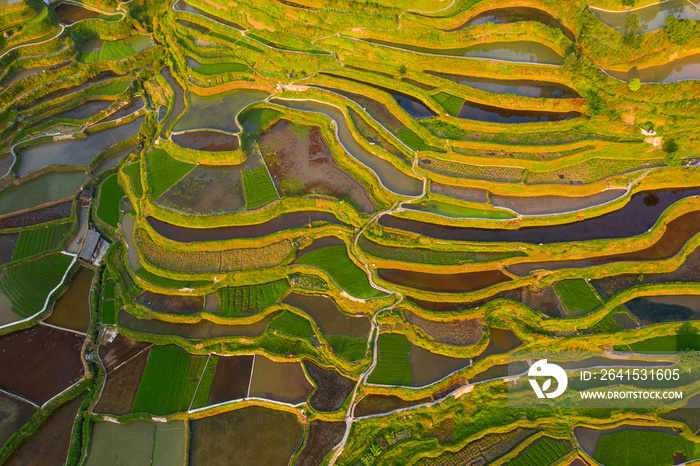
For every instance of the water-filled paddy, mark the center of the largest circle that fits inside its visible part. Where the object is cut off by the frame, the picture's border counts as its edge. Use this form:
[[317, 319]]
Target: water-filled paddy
[[428, 367], [122, 385], [283, 222], [332, 388], [75, 151], [453, 332], [329, 319], [301, 163], [69, 13], [655, 309], [443, 283], [500, 341], [50, 187], [651, 17], [72, 309], [210, 141], [178, 96], [391, 177], [514, 51], [252, 437], [514, 15], [217, 112], [119, 350], [209, 189], [377, 404], [40, 362], [171, 304], [323, 436], [636, 217], [82, 111], [232, 379], [521, 87], [14, 414], [543, 205], [54, 212], [491, 114], [180, 5], [279, 381], [681, 69]]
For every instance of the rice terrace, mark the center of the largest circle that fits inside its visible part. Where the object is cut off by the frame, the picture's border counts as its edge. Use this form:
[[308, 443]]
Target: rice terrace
[[387, 232]]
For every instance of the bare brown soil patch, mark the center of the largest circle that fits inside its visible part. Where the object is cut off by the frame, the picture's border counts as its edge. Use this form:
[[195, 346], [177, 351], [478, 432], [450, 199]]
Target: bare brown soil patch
[[14, 414], [46, 214], [332, 388], [457, 332], [231, 379], [121, 387], [323, 436], [72, 309], [120, 350], [171, 304]]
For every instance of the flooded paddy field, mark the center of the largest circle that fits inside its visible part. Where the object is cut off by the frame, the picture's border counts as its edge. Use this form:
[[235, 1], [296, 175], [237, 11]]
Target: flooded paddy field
[[301, 163], [79, 151], [210, 141], [52, 440], [323, 436], [112, 160], [103, 77], [650, 17], [390, 176], [500, 341], [122, 385], [209, 189], [544, 205], [656, 309], [119, 350], [521, 87], [14, 413], [7, 247], [377, 404], [279, 381], [280, 223], [82, 111], [40, 362], [636, 217], [72, 309], [453, 332], [44, 189], [328, 317], [179, 98], [250, 433], [125, 110], [373, 136], [232, 379], [181, 5], [202, 330], [589, 438], [171, 304], [492, 114], [440, 283], [688, 414], [332, 388], [427, 367], [681, 69], [514, 15], [217, 112], [46, 214], [69, 13], [522, 51]]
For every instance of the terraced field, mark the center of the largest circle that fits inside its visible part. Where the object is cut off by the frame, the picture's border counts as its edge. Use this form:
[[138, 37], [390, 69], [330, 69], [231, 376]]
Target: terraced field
[[349, 233]]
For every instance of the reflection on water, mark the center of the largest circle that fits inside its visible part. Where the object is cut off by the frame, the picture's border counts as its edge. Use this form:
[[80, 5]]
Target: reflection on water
[[651, 17]]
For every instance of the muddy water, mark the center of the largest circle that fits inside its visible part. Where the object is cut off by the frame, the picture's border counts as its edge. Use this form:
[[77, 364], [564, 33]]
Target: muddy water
[[514, 15], [50, 187], [72, 309], [540, 205], [391, 177], [279, 381], [655, 309], [179, 105], [651, 17], [69, 13], [183, 6], [280, 223], [330, 320], [210, 141], [428, 368], [521, 87], [133, 106], [452, 283], [491, 114], [637, 216], [75, 151], [218, 112], [112, 160], [501, 341], [516, 51], [681, 69], [82, 111]]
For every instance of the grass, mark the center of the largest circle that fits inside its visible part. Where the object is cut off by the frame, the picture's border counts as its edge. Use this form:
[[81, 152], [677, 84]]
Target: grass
[[577, 296], [166, 386], [412, 140], [259, 116], [109, 290], [609, 324], [109, 207], [33, 242], [450, 103], [133, 171], [115, 50], [335, 262], [457, 211], [292, 324], [201, 398], [689, 342], [38, 18], [109, 312], [89, 57], [164, 171], [394, 367], [542, 453], [27, 286], [218, 68], [643, 448], [165, 282], [350, 349], [105, 17], [258, 187], [250, 299], [112, 89]]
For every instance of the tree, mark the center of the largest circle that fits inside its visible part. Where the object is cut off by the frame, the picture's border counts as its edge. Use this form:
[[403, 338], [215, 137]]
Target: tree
[[680, 31], [634, 85], [402, 69]]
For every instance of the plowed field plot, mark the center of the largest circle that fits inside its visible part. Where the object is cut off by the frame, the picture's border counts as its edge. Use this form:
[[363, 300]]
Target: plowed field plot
[[41, 362], [171, 304], [543, 451], [138, 443], [300, 163], [279, 381], [377, 404], [501, 341], [14, 413], [207, 189], [49, 445], [452, 283], [119, 350], [428, 367], [72, 309], [34, 217], [254, 435], [323, 436], [453, 332], [210, 141], [332, 388], [122, 385], [7, 247], [231, 380]]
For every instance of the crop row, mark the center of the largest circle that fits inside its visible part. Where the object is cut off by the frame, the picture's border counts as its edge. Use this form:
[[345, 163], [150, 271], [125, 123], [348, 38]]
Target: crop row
[[34, 242], [235, 301], [394, 366], [542, 453]]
